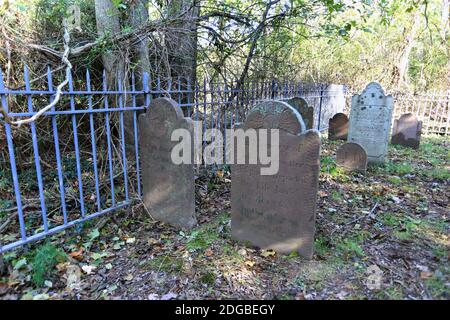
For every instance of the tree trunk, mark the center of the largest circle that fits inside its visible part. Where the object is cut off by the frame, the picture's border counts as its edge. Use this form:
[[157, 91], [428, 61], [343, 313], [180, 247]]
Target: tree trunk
[[114, 61], [108, 23], [182, 44], [400, 76], [140, 56]]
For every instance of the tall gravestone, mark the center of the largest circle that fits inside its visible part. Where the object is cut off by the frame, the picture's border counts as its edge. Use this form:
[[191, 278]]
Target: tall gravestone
[[370, 121], [278, 211], [338, 127], [407, 131], [168, 188], [352, 156], [305, 111], [333, 101]]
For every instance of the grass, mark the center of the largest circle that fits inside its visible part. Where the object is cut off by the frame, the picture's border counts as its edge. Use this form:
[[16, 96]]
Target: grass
[[437, 285], [165, 263], [44, 262], [204, 236], [350, 247]]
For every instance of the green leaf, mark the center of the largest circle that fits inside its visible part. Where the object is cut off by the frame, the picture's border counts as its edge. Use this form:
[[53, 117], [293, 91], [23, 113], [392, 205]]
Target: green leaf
[[20, 264], [94, 234], [98, 256]]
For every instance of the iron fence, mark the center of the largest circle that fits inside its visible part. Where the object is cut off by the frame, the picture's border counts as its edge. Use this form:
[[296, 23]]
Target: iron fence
[[432, 108], [80, 160]]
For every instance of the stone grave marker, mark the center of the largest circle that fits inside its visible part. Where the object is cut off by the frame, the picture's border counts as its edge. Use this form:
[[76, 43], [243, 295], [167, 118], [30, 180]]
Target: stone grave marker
[[407, 131], [352, 156], [278, 211], [306, 112], [168, 188], [338, 127], [370, 121]]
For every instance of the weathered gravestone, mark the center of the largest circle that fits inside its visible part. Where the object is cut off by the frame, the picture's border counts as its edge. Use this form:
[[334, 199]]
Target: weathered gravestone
[[370, 121], [278, 211], [407, 131], [338, 127], [306, 112], [168, 188], [352, 156]]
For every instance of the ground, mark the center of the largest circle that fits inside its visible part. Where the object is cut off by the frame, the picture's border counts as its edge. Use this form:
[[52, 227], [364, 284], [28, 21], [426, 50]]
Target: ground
[[395, 218]]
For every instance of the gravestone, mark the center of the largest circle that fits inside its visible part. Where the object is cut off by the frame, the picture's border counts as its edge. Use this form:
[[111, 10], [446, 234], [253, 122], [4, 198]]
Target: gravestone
[[370, 121], [306, 112], [168, 188], [278, 211], [338, 127], [333, 101], [352, 156], [407, 131]]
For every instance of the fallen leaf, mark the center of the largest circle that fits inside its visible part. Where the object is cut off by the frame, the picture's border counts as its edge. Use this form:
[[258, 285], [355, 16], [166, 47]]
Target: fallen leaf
[[153, 296], [250, 263], [76, 253], [426, 275], [268, 253], [169, 296], [88, 269], [208, 252], [128, 277], [300, 296], [242, 252], [322, 194], [42, 296]]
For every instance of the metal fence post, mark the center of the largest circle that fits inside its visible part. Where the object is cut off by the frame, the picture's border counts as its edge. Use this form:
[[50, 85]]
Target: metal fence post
[[274, 84]]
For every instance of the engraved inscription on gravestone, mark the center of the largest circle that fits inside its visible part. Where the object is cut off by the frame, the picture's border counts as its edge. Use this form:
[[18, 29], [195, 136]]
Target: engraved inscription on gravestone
[[278, 211], [352, 156], [168, 188], [407, 131], [370, 121]]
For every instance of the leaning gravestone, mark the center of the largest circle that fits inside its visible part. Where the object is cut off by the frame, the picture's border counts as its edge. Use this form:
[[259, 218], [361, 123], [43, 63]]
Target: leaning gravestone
[[407, 131], [370, 121], [306, 112], [278, 211], [338, 127], [168, 188], [352, 156]]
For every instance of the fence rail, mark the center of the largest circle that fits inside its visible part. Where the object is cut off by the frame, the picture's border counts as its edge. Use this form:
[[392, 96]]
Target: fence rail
[[433, 109], [80, 160]]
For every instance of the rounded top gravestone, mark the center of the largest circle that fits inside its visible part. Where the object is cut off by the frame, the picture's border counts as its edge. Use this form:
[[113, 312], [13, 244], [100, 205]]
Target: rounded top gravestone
[[306, 112], [278, 211], [352, 156], [168, 188], [275, 115], [338, 127], [370, 121], [407, 131]]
